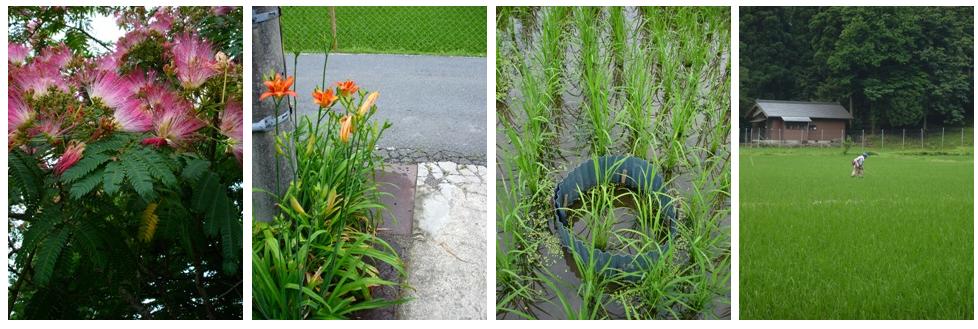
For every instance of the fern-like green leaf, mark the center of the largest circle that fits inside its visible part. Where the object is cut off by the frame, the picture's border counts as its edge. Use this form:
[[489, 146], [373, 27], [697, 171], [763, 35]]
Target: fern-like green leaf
[[215, 206], [139, 176], [158, 166], [24, 171], [48, 255], [86, 237], [85, 166], [195, 168], [230, 243], [113, 177], [41, 226], [149, 220], [113, 143], [85, 185]]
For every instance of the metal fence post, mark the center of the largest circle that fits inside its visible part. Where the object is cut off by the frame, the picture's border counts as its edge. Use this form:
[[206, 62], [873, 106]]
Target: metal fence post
[[332, 23], [942, 138], [962, 136], [882, 139], [904, 141], [921, 138], [862, 139]]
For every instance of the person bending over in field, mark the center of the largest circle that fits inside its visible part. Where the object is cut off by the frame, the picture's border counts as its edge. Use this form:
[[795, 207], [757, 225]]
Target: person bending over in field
[[857, 164]]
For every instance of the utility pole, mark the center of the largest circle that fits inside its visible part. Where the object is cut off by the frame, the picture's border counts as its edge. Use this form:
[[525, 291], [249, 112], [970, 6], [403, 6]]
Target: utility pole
[[267, 55]]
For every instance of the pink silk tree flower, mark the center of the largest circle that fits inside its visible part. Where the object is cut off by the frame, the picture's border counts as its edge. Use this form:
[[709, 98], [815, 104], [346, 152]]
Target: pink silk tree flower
[[162, 20], [72, 154], [50, 128], [175, 123], [39, 77], [111, 89], [18, 114], [140, 81], [231, 126], [155, 96], [221, 10], [55, 57], [193, 60], [17, 53], [131, 117]]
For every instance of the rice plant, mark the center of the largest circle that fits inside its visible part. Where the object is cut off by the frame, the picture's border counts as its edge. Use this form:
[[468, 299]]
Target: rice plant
[[641, 90], [595, 79]]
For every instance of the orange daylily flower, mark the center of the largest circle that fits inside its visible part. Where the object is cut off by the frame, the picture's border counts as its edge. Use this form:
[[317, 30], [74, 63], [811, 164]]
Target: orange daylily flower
[[367, 104], [346, 128], [278, 88], [347, 87], [324, 98]]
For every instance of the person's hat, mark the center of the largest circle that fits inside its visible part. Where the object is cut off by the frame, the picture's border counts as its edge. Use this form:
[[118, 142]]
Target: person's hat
[[866, 154]]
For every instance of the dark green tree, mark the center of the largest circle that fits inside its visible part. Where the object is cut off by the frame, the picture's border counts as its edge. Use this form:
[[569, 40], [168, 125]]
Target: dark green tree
[[890, 66], [111, 220]]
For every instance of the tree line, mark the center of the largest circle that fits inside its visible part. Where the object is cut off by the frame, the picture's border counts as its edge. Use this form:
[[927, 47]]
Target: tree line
[[889, 66]]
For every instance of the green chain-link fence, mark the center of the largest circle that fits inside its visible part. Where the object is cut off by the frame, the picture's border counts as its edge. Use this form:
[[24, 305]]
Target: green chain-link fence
[[400, 30]]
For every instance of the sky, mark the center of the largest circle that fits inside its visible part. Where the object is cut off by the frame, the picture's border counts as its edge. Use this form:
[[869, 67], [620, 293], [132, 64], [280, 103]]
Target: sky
[[105, 29]]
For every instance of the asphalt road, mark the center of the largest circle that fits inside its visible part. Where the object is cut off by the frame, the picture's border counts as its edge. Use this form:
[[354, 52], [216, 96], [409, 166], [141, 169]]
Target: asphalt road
[[436, 104]]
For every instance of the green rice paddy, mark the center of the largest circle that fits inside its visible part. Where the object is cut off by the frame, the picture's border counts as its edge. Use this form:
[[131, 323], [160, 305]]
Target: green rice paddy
[[818, 244]]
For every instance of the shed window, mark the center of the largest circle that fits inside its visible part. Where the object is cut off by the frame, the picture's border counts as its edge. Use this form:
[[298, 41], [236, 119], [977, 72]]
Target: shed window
[[795, 125]]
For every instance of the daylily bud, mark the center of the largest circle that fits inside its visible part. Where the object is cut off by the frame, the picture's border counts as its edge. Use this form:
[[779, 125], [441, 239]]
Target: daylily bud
[[310, 145], [346, 128], [296, 206], [369, 103]]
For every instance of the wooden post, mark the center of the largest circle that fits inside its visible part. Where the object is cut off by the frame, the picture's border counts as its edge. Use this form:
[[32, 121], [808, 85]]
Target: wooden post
[[332, 22]]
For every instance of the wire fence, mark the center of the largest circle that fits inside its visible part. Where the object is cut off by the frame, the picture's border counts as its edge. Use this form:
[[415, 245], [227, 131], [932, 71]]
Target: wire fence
[[940, 138], [458, 31]]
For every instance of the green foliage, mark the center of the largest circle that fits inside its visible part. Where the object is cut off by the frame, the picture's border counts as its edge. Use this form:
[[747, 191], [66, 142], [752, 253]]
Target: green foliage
[[654, 83], [48, 254], [120, 235], [909, 226], [895, 66], [320, 257]]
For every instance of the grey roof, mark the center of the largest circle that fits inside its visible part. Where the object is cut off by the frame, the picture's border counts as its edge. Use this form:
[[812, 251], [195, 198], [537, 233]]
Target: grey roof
[[819, 110], [796, 119]]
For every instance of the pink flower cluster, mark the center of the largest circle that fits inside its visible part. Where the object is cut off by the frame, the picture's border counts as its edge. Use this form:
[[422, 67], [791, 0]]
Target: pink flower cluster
[[52, 91]]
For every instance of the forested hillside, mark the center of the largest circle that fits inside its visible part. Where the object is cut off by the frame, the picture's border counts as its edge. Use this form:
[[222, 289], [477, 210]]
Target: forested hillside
[[889, 66]]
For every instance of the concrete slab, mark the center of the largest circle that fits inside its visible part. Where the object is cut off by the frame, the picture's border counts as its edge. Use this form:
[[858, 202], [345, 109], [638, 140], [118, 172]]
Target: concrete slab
[[447, 260], [398, 181]]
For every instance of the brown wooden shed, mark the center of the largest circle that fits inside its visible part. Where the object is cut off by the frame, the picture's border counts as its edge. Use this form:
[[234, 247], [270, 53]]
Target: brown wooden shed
[[797, 122]]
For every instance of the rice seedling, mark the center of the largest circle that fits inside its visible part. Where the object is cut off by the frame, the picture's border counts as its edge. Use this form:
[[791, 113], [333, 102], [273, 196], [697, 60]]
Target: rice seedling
[[898, 244], [595, 78], [552, 50], [666, 110]]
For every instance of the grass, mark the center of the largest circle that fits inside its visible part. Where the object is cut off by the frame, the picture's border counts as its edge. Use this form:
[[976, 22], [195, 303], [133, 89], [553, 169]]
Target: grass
[[817, 244], [613, 84], [449, 31]]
